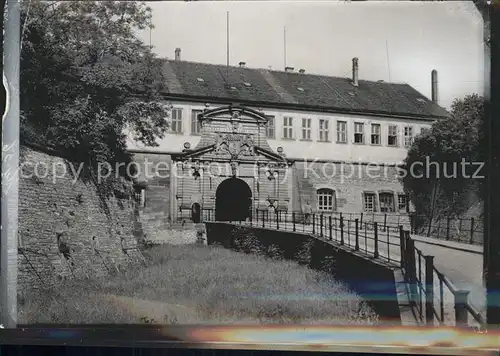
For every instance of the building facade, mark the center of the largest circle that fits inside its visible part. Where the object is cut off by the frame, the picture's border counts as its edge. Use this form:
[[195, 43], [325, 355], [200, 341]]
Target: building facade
[[245, 140]]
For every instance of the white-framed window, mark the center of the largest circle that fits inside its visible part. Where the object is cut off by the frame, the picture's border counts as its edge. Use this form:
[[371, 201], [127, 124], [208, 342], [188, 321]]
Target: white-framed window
[[306, 129], [341, 131], [287, 127], [270, 131], [386, 202], [195, 123], [375, 134], [324, 135], [359, 130], [176, 120], [392, 136], [369, 204], [402, 202], [408, 136], [326, 199]]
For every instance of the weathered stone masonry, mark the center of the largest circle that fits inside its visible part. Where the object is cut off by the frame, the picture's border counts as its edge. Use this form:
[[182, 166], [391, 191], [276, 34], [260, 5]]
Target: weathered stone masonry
[[65, 231]]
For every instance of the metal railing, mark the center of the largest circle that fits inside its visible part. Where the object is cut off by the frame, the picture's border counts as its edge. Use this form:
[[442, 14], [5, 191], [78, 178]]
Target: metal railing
[[431, 292], [465, 230], [370, 238], [434, 296]]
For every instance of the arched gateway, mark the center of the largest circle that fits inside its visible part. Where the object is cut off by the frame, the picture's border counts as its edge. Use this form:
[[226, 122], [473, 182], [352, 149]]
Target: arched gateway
[[233, 200]]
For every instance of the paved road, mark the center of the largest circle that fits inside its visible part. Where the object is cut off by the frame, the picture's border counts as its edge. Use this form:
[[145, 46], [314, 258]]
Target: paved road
[[462, 268]]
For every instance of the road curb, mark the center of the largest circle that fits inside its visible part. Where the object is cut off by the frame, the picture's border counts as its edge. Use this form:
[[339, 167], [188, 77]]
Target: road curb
[[446, 246]]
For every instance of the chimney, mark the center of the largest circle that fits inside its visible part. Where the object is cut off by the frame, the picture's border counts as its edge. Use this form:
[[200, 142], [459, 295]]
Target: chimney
[[288, 69], [302, 71], [177, 54], [242, 64], [355, 71], [434, 87]]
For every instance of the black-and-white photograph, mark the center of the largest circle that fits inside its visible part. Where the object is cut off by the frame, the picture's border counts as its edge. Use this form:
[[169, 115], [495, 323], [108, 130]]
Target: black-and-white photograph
[[246, 162]]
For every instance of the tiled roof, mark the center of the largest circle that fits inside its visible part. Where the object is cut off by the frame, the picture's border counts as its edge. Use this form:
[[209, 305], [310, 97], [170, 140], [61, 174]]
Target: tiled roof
[[279, 88]]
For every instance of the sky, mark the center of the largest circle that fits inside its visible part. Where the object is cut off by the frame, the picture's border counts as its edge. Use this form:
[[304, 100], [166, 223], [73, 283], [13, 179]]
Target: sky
[[397, 41]]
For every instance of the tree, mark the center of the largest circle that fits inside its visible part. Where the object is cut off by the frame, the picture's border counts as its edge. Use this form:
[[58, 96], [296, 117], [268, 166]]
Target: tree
[[86, 78], [440, 178]]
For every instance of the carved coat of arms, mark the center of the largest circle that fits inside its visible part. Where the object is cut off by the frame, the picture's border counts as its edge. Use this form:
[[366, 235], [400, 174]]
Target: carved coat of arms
[[235, 145]]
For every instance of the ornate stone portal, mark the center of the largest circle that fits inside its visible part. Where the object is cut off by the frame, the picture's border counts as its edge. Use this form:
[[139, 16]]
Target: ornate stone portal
[[233, 142]]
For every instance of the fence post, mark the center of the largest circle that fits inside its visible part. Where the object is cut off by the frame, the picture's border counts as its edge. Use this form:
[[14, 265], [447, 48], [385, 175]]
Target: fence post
[[361, 219], [356, 235], [375, 232], [402, 245], [408, 250], [448, 219], [471, 231], [385, 222], [314, 223], [429, 290], [461, 312], [411, 266], [263, 218], [277, 220], [330, 226], [293, 218], [341, 230], [335, 226], [321, 224]]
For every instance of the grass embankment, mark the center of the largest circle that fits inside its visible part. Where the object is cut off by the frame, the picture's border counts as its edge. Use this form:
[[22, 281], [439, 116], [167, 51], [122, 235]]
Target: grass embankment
[[198, 284]]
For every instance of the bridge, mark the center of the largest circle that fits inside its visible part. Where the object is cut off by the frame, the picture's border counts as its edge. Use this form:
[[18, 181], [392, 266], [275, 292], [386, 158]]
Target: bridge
[[444, 277]]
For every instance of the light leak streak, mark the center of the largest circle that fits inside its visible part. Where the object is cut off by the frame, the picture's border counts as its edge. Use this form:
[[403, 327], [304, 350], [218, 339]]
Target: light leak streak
[[376, 336]]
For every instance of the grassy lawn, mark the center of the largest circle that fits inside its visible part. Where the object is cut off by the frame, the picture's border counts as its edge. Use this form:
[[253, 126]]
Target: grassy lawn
[[189, 284]]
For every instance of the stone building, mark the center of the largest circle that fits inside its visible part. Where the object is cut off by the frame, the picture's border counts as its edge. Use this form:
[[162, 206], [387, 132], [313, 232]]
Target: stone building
[[246, 140]]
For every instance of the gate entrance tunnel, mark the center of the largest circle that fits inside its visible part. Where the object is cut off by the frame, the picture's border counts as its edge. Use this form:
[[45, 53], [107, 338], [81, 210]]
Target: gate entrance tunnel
[[233, 200]]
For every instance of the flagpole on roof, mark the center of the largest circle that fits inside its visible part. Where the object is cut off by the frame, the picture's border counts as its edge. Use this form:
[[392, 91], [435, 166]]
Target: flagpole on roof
[[284, 46], [388, 62], [227, 47]]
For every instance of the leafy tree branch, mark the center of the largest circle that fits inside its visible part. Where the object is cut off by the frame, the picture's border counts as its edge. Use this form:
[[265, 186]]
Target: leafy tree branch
[[86, 78]]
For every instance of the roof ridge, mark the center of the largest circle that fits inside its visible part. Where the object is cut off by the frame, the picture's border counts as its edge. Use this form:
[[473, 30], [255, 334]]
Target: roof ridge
[[281, 71]]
